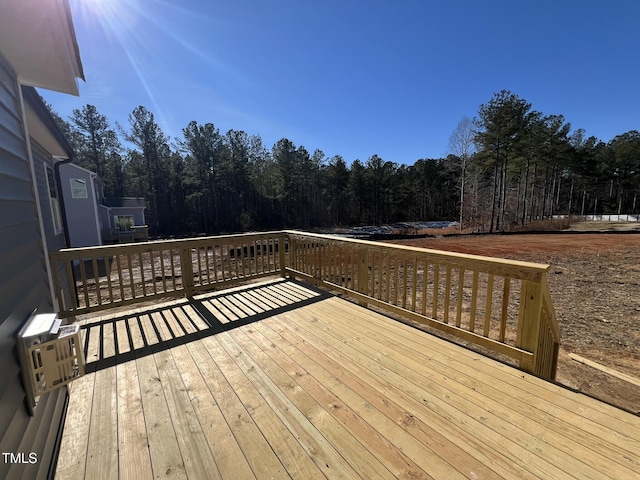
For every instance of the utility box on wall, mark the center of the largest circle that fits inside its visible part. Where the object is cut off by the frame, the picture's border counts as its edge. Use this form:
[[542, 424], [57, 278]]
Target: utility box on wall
[[50, 355]]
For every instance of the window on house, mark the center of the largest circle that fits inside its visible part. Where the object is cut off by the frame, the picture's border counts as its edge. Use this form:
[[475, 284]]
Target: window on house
[[78, 188], [54, 201], [123, 223]]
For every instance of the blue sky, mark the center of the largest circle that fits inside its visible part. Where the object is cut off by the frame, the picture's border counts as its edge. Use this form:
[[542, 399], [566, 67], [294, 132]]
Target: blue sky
[[357, 78]]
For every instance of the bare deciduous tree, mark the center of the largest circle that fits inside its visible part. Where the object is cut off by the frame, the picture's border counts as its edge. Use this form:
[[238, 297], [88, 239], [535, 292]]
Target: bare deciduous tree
[[461, 145]]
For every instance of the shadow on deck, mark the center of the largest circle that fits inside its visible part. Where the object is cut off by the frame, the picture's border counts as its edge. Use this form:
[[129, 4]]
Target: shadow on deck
[[281, 380], [124, 338]]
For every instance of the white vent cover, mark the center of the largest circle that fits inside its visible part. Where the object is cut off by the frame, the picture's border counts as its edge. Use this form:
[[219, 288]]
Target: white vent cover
[[50, 355]]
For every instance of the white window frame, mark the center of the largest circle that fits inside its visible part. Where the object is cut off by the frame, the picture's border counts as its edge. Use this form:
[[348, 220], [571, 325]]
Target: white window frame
[[76, 191], [54, 200]]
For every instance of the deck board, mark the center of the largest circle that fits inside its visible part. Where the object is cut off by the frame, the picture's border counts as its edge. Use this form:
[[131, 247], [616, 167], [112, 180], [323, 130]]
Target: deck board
[[164, 450], [102, 448], [134, 459], [230, 460], [256, 450], [466, 394], [279, 380]]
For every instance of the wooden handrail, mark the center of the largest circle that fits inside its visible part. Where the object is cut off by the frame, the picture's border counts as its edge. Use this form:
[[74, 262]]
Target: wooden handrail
[[514, 268], [502, 305], [97, 278]]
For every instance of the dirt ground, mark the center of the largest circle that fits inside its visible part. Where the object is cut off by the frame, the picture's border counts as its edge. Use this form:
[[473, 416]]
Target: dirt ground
[[595, 286]]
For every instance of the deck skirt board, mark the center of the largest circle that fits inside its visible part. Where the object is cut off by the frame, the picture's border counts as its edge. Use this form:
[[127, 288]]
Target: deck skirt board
[[280, 380]]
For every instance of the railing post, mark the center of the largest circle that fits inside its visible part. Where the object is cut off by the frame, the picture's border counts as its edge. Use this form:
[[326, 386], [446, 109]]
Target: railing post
[[529, 322], [363, 272], [186, 267]]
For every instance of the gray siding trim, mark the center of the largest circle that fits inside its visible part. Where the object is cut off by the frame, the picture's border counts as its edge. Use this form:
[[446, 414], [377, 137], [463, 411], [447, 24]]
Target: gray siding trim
[[23, 287], [55, 241]]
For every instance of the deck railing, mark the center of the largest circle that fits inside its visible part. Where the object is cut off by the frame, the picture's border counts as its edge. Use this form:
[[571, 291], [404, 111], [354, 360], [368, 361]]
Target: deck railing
[[501, 305], [104, 277]]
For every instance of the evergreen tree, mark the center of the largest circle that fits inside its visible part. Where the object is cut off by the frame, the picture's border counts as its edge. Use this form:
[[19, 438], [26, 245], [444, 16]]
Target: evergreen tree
[[153, 146], [97, 148]]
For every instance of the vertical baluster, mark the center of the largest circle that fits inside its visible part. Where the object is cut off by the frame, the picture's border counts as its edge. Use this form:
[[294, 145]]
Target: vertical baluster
[[173, 269], [120, 278], [142, 279], [153, 272], [436, 290], [162, 271], [107, 267], [405, 274], [387, 277], [83, 279], [414, 291], [132, 283], [72, 287], [396, 267], [505, 308], [425, 285], [198, 250], [340, 266], [460, 295], [232, 246], [380, 257], [488, 307], [261, 253], [214, 251], [209, 252], [96, 279], [447, 294], [353, 261], [474, 297]]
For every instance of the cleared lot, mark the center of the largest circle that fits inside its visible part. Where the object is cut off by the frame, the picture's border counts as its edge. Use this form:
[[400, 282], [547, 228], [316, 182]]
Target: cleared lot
[[595, 286]]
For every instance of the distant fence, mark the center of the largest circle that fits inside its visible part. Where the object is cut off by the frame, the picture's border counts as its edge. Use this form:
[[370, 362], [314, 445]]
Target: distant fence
[[613, 218], [625, 217]]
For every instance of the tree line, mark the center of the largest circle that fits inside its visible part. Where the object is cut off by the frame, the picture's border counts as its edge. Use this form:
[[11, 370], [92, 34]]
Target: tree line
[[527, 166], [509, 165]]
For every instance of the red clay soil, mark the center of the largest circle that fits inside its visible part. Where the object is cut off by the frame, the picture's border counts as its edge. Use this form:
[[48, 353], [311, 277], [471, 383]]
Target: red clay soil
[[595, 286], [516, 245]]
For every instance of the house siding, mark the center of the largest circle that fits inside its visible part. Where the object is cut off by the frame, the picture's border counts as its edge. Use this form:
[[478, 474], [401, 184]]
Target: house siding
[[135, 212], [55, 241], [81, 212], [23, 287]]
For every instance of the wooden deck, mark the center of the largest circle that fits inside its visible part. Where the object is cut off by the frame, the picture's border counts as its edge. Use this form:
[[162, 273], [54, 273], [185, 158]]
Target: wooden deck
[[279, 380]]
